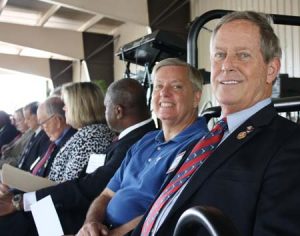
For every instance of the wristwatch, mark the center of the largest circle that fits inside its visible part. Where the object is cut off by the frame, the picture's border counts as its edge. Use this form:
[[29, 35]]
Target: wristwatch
[[17, 201]]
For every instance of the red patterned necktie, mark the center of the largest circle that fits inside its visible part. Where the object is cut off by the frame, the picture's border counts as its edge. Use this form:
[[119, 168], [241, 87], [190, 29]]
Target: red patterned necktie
[[197, 157], [45, 158]]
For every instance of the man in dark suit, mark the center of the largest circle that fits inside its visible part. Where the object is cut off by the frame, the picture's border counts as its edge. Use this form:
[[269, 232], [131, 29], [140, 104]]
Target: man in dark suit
[[12, 151], [51, 117], [38, 143], [127, 114], [253, 175], [7, 130]]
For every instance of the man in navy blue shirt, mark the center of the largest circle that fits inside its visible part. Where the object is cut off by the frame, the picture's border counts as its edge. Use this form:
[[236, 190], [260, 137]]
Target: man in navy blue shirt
[[175, 99]]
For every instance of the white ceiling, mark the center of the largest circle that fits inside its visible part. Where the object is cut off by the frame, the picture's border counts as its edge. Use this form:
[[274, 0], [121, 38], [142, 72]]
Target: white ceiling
[[52, 29]]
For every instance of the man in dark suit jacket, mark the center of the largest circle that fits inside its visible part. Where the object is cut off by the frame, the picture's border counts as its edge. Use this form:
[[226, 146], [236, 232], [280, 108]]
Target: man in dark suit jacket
[[253, 176], [7, 130], [127, 114], [51, 117], [39, 142]]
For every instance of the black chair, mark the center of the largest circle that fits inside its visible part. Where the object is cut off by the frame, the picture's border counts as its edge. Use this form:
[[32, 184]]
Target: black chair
[[288, 104], [212, 219], [211, 112]]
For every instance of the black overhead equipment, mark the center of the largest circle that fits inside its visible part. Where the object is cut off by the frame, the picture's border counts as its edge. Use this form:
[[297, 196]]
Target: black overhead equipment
[[152, 48], [148, 50]]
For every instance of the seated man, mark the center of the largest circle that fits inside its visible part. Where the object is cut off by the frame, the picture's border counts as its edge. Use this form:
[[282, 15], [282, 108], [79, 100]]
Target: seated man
[[253, 175], [175, 99], [39, 141], [7, 130], [127, 114], [51, 117], [12, 151]]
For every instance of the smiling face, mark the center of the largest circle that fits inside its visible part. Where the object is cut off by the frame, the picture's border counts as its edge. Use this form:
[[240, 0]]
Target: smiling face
[[174, 100], [239, 75]]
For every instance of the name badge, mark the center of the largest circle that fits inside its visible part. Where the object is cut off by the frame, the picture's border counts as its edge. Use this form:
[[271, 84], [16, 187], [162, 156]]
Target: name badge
[[176, 162], [95, 161]]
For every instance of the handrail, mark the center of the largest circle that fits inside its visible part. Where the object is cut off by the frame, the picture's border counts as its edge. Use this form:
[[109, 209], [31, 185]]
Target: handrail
[[199, 22], [287, 104], [212, 219]]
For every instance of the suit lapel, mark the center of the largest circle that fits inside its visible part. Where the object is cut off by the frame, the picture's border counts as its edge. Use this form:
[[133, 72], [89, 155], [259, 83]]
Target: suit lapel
[[224, 152], [135, 134]]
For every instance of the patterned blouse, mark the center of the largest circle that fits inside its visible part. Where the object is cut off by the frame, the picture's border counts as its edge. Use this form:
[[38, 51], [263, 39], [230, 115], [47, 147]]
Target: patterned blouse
[[72, 159]]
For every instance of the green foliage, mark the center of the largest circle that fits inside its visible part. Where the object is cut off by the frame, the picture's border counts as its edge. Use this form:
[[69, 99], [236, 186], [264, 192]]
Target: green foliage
[[102, 84]]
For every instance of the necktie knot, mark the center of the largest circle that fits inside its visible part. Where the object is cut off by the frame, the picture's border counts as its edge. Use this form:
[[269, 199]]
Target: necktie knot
[[221, 125], [41, 165], [115, 139], [201, 151]]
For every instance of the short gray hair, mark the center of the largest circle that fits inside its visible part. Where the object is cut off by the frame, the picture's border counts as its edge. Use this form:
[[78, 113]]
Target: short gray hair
[[193, 74], [269, 42], [54, 106]]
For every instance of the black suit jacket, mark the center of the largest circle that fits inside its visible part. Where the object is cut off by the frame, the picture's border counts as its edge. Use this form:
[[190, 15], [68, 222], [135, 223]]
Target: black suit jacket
[[7, 135], [255, 180], [37, 149]]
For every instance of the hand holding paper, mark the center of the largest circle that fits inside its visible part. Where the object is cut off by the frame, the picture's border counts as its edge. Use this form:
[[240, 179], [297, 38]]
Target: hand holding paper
[[22, 180], [4, 189], [6, 206]]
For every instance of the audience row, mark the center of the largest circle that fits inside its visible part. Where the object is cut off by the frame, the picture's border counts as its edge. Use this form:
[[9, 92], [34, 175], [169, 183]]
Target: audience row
[[247, 165]]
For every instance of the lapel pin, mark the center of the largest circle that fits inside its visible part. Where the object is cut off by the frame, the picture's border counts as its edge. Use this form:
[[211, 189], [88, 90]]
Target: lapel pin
[[249, 129], [241, 135]]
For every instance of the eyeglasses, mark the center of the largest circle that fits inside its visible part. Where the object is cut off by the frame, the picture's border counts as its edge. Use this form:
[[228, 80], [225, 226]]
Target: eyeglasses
[[45, 121]]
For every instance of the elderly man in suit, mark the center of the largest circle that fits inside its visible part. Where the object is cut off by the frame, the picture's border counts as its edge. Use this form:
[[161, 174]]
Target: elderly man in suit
[[127, 114], [253, 175], [51, 117]]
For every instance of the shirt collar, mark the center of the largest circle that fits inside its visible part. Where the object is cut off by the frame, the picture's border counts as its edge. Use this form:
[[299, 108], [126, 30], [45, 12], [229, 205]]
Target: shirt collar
[[36, 132], [234, 120], [62, 135], [199, 125], [133, 127]]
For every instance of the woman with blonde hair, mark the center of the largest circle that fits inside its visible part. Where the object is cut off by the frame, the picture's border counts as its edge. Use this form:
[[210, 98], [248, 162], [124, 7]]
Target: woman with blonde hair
[[84, 107]]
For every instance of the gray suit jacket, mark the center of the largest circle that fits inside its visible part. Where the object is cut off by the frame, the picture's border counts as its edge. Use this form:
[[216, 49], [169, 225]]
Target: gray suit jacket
[[13, 152]]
